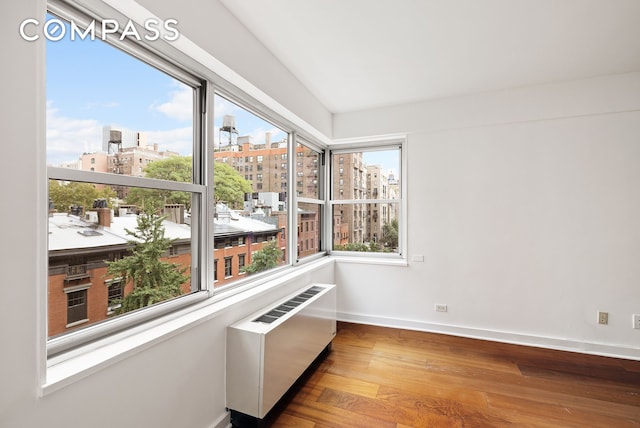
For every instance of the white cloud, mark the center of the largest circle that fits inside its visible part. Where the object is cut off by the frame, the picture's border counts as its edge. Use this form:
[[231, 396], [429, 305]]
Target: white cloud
[[68, 138], [176, 140], [111, 104], [258, 135], [180, 105]]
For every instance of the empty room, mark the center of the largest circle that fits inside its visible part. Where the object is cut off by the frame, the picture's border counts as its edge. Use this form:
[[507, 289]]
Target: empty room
[[319, 214]]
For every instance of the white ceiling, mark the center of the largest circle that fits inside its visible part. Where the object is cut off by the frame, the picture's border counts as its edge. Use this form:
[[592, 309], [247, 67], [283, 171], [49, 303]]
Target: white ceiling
[[360, 54]]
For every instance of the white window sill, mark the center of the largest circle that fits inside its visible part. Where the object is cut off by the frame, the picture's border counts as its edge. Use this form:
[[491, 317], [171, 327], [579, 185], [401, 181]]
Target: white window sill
[[386, 261], [76, 364]]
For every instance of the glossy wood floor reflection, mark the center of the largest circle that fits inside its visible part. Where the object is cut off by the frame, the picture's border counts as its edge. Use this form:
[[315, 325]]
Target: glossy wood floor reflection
[[380, 377]]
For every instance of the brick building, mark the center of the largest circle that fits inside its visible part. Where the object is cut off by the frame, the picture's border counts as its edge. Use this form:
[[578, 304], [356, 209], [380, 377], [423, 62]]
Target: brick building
[[80, 291]]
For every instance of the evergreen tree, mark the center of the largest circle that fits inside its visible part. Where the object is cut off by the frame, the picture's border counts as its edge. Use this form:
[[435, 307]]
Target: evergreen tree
[[266, 258], [153, 280]]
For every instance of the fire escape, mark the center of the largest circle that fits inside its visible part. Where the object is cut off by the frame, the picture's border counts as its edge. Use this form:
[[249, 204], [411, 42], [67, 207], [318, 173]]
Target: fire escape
[[115, 148]]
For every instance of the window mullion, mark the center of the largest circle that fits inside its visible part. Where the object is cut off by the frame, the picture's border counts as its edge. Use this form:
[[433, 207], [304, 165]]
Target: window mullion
[[292, 198]]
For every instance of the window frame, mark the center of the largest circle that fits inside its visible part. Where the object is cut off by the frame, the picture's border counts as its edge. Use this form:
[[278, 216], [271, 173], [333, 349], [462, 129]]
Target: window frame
[[197, 187], [321, 201], [368, 145], [73, 309]]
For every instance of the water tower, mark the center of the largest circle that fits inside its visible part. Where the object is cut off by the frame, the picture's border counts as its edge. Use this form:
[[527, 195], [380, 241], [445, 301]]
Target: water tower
[[228, 130]]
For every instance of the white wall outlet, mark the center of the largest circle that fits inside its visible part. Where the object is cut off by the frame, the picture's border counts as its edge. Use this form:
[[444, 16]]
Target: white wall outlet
[[441, 308], [636, 320], [418, 258], [603, 318]]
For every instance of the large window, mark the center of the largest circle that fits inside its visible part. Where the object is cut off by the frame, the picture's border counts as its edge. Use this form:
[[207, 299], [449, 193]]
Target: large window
[[164, 187], [251, 216], [366, 200], [124, 155]]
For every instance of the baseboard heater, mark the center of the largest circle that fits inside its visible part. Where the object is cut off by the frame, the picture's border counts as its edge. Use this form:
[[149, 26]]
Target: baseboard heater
[[269, 350]]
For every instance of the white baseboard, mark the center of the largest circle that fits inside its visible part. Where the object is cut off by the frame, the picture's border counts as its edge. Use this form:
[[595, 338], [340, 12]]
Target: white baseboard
[[223, 421], [497, 336]]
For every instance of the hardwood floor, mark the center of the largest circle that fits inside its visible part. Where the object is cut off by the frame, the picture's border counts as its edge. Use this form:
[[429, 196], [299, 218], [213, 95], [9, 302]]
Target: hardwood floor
[[381, 377]]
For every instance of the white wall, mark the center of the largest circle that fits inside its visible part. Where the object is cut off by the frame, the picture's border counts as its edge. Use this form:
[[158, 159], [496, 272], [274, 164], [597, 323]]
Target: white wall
[[526, 206], [177, 382]]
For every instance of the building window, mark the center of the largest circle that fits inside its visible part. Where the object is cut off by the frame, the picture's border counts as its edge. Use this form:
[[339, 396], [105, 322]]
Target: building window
[[76, 307], [262, 205], [228, 269], [132, 194], [123, 200], [115, 293], [373, 169]]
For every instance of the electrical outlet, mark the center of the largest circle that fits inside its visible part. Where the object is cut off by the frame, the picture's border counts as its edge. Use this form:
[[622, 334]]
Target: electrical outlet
[[636, 321], [603, 318], [441, 308]]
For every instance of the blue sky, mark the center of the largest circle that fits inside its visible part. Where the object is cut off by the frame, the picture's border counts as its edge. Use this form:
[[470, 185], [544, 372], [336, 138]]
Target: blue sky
[[91, 84]]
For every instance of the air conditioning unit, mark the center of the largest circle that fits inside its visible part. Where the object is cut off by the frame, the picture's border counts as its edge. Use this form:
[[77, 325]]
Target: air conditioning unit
[[269, 350]]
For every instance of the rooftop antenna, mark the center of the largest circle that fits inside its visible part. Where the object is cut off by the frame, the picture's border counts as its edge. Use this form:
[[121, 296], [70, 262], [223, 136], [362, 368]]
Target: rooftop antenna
[[228, 128]]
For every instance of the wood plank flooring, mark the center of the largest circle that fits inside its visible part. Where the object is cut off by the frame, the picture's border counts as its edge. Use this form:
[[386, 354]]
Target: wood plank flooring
[[381, 377]]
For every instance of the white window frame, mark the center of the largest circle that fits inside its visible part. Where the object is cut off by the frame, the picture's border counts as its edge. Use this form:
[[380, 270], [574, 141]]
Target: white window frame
[[321, 201], [367, 145], [202, 195]]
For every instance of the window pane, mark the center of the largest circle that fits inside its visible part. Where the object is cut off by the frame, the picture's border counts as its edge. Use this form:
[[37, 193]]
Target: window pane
[[370, 176], [307, 172], [250, 186], [110, 112], [369, 227], [366, 175], [76, 307], [308, 229], [97, 240]]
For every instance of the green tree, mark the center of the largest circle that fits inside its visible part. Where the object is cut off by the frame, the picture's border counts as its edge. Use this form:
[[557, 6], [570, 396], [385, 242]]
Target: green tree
[[390, 234], [229, 186], [64, 195], [154, 280], [174, 168], [266, 258], [355, 246]]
